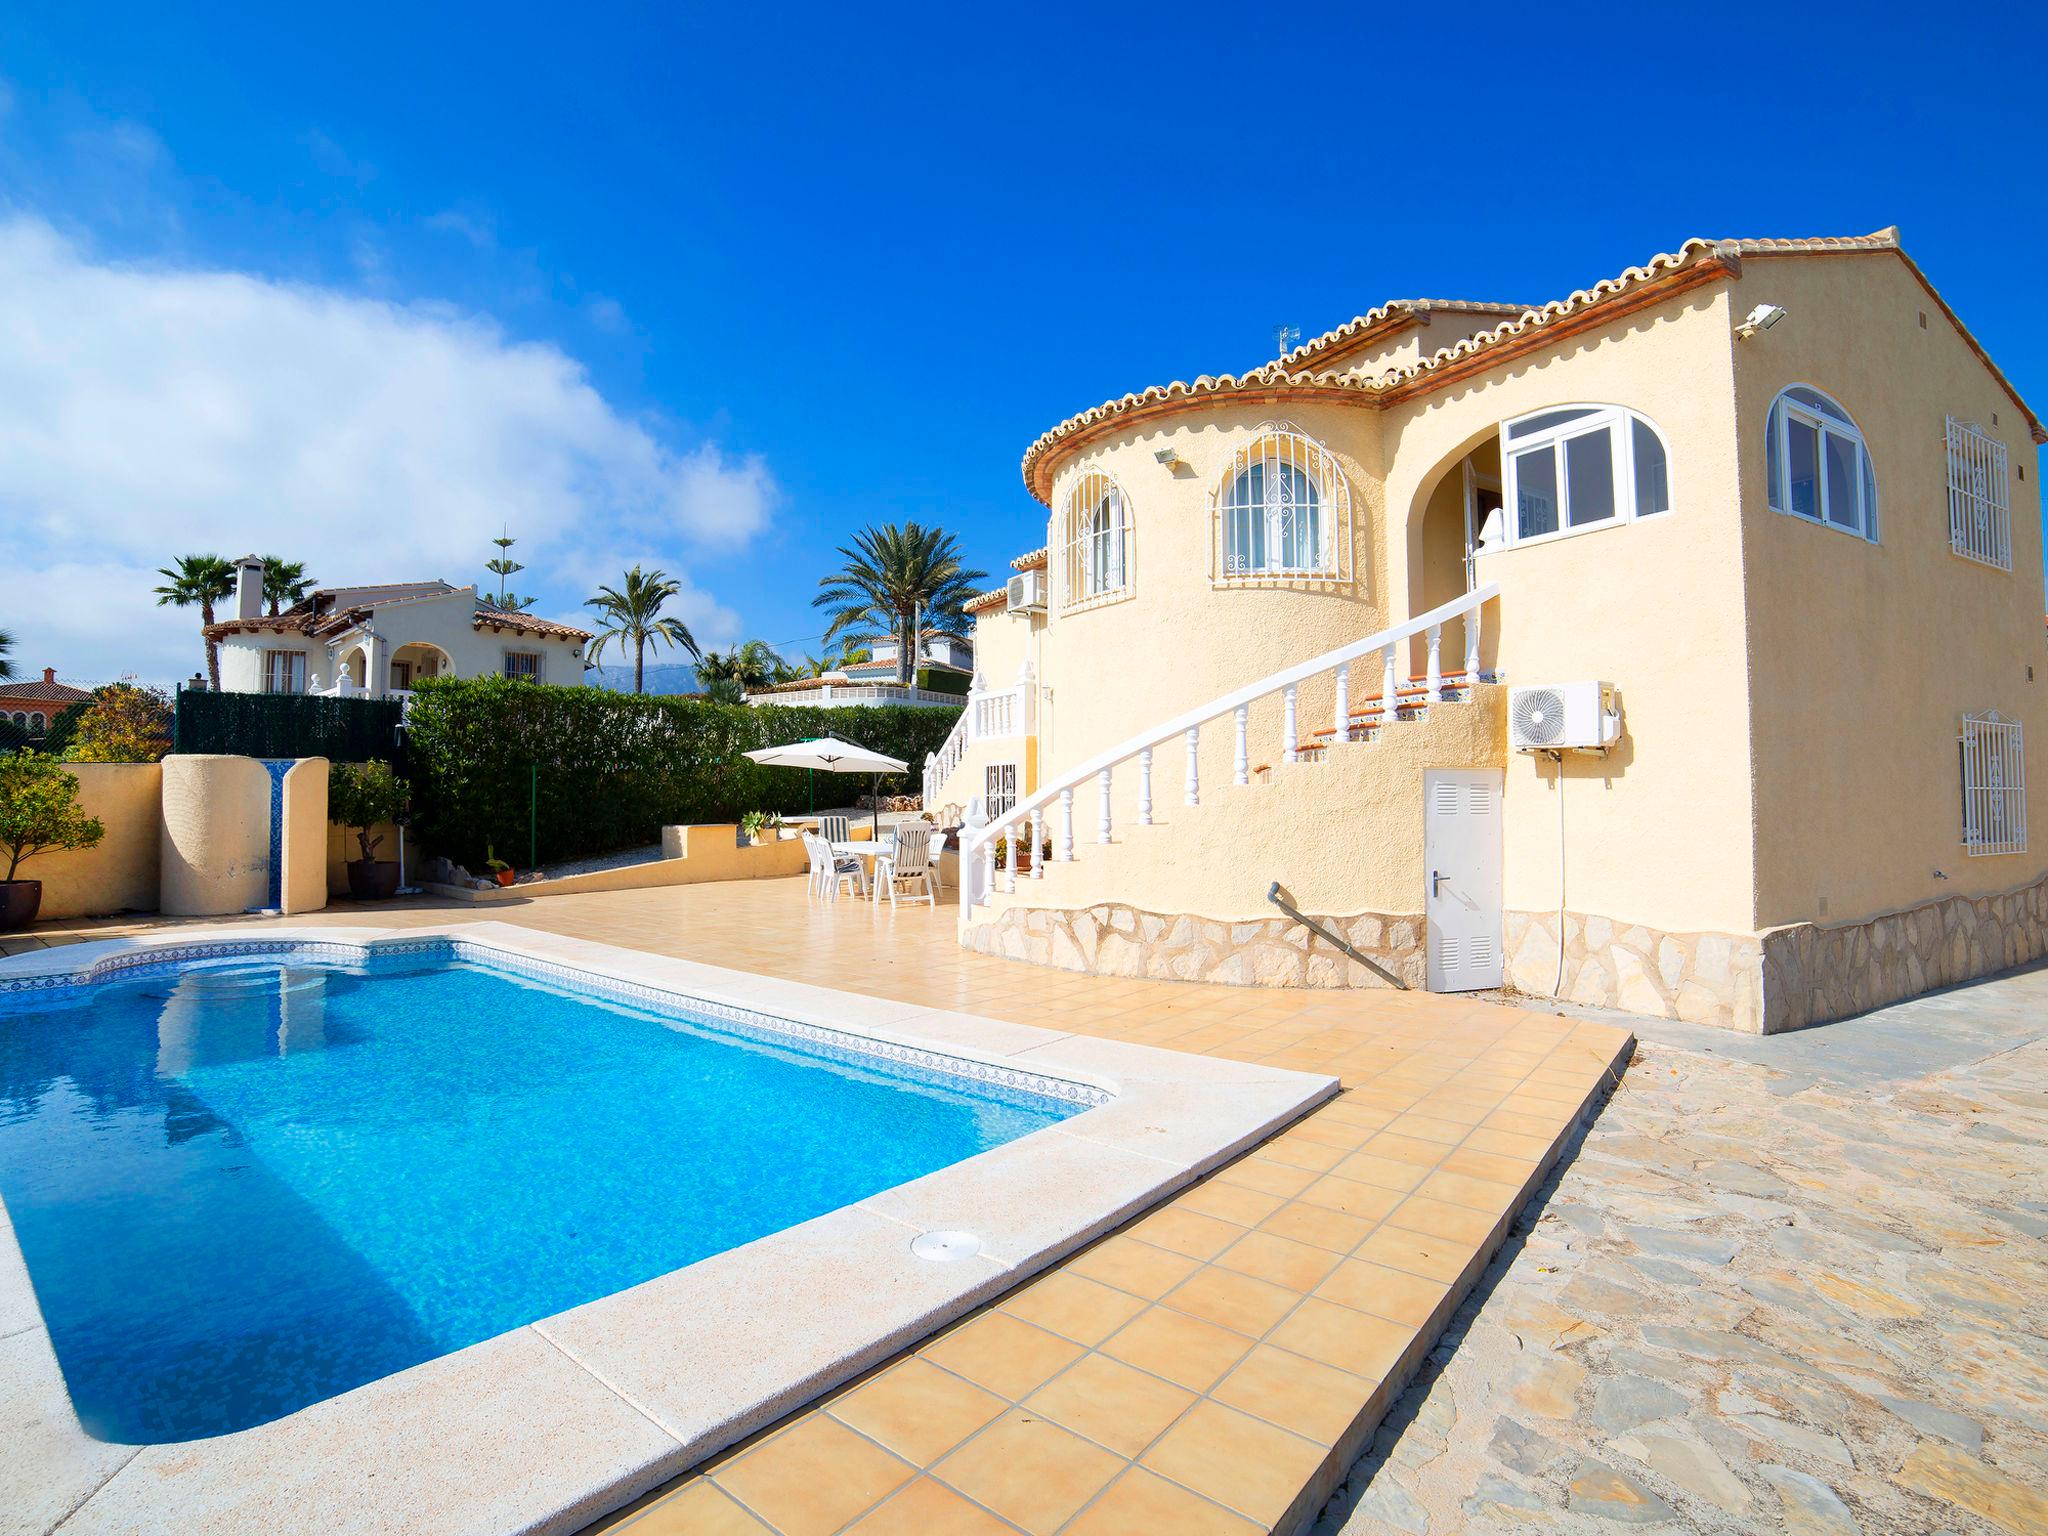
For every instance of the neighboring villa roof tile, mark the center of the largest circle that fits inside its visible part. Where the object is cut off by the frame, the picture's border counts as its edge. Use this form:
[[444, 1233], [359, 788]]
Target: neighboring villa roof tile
[[62, 692], [1035, 561], [986, 601], [314, 616], [526, 623], [1711, 258]]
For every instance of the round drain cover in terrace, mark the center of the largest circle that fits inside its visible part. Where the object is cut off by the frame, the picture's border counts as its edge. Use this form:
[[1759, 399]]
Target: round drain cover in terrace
[[944, 1246]]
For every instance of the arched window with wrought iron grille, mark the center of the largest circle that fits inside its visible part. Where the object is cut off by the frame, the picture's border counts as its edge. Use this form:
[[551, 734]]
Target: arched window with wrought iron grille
[[1282, 509], [1095, 539]]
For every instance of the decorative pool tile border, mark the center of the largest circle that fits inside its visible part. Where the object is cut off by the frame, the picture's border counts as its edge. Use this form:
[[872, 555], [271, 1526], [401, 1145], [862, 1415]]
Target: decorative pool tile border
[[165, 959]]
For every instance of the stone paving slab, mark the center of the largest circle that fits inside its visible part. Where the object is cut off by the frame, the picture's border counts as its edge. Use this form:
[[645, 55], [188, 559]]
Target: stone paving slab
[[1808, 1300]]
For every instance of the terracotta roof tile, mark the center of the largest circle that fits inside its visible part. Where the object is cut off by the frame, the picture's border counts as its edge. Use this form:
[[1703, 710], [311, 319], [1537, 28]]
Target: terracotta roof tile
[[1035, 561], [986, 601]]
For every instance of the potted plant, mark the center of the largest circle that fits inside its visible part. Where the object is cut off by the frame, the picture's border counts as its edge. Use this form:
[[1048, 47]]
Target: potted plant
[[501, 872], [760, 826], [366, 796], [38, 814]]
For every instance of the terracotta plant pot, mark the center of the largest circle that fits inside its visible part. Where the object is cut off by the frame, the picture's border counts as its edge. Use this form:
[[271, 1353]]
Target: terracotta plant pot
[[19, 902], [507, 876], [372, 879]]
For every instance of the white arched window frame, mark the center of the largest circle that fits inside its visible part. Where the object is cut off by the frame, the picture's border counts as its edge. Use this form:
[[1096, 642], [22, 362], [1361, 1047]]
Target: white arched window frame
[[36, 722], [1817, 465], [1282, 510], [1569, 469], [1094, 538]]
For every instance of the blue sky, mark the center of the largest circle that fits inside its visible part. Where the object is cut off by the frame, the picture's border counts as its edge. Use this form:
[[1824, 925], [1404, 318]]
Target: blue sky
[[712, 287]]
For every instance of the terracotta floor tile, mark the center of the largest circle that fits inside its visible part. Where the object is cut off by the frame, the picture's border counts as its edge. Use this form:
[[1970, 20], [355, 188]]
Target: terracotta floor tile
[[1310, 1155], [1241, 1462], [1405, 1149], [1229, 1202], [1418, 1125], [917, 1410], [1388, 1293], [1298, 1266], [1134, 1266], [1490, 1165], [1183, 1349], [1418, 1253], [1267, 1177], [1029, 1470], [1437, 1218], [1231, 1300], [1005, 1354], [927, 1508], [697, 1509], [1074, 1307], [1141, 1503], [1369, 1202], [1111, 1403], [1381, 1172], [813, 1477], [1351, 1340], [1318, 1225], [1534, 1148], [1480, 1194], [1303, 1395], [1187, 1232]]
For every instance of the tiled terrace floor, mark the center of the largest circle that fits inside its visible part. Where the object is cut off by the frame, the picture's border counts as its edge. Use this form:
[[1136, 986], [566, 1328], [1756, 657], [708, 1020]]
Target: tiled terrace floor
[[1216, 1365]]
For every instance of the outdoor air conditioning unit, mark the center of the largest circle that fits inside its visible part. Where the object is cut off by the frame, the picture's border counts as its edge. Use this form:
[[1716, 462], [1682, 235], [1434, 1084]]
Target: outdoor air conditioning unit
[[1565, 717], [1027, 592]]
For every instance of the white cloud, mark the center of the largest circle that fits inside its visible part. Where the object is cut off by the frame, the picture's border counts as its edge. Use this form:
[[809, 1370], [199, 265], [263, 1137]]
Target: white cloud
[[147, 412]]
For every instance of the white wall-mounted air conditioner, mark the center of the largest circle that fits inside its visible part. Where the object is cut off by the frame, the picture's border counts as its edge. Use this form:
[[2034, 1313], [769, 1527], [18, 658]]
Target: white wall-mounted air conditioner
[[1564, 717], [1026, 592]]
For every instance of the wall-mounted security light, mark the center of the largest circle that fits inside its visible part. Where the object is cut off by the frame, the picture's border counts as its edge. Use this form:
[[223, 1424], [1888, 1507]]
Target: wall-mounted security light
[[1762, 318], [1168, 456]]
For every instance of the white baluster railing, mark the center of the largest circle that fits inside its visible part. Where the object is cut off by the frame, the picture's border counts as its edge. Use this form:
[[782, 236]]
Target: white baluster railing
[[939, 765], [1188, 725]]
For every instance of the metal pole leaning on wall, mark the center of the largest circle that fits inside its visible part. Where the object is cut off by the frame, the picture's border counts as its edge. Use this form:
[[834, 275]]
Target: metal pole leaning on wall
[[533, 821]]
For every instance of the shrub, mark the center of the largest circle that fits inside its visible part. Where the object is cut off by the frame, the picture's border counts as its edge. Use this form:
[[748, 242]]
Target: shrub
[[597, 771], [124, 724], [39, 810], [364, 795]]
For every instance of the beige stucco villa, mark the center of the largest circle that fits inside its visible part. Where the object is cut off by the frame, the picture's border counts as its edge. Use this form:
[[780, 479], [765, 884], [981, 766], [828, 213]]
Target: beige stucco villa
[[1676, 645]]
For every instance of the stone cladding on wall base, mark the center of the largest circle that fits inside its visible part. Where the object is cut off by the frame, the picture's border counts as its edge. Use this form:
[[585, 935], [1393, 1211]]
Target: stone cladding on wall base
[[1113, 940], [1703, 978]]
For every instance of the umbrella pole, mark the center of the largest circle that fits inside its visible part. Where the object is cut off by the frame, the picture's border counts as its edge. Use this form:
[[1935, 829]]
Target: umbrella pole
[[811, 789], [875, 807]]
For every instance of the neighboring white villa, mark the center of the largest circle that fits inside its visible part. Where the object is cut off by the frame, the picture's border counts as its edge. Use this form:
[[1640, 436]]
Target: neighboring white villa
[[940, 658], [378, 641]]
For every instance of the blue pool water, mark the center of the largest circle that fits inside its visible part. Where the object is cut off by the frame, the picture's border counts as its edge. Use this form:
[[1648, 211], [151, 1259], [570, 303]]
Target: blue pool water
[[244, 1186]]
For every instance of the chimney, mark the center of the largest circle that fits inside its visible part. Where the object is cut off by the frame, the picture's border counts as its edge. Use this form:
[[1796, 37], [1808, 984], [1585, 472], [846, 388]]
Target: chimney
[[249, 587], [49, 675]]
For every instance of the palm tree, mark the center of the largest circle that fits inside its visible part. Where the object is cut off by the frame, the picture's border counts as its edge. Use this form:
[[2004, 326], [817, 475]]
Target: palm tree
[[284, 581], [6, 654], [200, 580], [726, 673], [633, 617], [897, 580]]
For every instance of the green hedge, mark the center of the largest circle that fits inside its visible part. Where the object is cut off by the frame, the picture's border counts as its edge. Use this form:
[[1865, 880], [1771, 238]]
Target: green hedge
[[287, 725], [613, 768]]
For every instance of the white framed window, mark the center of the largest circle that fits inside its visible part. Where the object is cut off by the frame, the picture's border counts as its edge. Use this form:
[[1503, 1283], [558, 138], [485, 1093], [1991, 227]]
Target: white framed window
[[1282, 508], [523, 665], [1994, 764], [999, 789], [1095, 539], [1570, 468], [1817, 465], [284, 671], [1979, 498]]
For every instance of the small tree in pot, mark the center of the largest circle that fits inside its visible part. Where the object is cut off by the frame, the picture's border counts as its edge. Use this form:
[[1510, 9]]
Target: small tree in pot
[[38, 814], [365, 796]]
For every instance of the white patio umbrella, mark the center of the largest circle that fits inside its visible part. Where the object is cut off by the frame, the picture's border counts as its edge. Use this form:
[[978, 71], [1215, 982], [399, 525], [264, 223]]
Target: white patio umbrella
[[833, 756]]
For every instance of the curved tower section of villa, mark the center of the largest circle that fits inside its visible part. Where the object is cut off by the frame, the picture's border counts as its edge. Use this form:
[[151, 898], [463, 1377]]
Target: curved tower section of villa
[[1675, 646]]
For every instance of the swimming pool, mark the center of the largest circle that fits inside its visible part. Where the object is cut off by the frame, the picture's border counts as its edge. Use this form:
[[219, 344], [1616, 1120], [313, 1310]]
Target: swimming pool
[[244, 1184]]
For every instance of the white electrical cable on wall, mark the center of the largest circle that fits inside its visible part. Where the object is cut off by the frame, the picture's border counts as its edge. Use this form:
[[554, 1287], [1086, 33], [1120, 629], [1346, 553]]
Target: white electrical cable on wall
[[1557, 990]]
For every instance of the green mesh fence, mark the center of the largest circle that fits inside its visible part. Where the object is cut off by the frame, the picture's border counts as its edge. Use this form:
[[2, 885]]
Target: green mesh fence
[[288, 725]]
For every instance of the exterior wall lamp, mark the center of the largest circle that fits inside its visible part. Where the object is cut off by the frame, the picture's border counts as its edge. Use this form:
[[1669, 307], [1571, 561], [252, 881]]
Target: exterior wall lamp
[[1762, 318]]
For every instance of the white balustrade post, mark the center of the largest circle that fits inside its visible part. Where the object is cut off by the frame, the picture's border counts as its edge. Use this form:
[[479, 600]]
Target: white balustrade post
[[1343, 701], [1145, 788], [988, 867], [1436, 664], [1288, 733], [1240, 759], [1389, 682], [1038, 843], [1472, 646], [1102, 820], [1066, 826], [1194, 769]]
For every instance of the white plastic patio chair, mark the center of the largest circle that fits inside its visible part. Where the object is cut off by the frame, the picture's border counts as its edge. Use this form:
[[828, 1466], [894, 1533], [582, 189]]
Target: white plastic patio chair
[[910, 863], [834, 829], [841, 869], [821, 865]]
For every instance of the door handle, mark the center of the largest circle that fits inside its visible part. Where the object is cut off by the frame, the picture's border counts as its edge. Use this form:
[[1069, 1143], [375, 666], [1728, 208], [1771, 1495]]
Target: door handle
[[1436, 883]]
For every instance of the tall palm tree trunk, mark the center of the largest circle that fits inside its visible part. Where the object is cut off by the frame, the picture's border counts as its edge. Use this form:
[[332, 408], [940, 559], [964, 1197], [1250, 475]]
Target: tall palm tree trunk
[[639, 666], [212, 647]]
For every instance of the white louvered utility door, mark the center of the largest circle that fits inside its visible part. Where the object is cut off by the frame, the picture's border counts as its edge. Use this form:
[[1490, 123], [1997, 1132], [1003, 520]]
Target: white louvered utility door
[[1461, 877]]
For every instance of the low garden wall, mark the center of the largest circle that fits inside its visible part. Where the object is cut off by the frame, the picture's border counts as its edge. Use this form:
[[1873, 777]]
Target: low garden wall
[[121, 874]]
